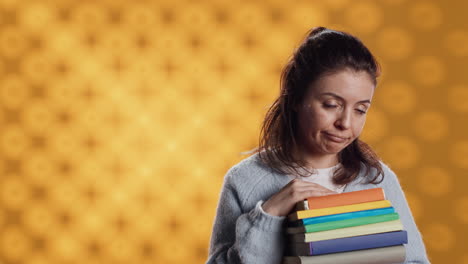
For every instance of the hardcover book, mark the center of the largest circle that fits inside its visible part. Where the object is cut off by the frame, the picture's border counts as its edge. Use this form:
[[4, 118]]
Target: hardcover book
[[385, 255]]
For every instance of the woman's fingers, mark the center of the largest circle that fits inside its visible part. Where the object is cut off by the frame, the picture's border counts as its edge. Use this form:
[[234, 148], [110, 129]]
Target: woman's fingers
[[314, 187], [303, 191], [314, 193], [297, 190], [297, 195], [303, 185]]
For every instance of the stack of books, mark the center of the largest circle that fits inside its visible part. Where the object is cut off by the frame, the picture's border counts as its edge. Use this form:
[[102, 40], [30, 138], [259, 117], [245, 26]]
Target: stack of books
[[353, 227]]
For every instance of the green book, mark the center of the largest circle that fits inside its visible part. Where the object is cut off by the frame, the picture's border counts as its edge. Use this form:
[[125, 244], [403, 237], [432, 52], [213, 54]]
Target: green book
[[342, 223]]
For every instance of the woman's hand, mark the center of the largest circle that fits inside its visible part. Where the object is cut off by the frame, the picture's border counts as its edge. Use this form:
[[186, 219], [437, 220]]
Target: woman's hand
[[282, 202]]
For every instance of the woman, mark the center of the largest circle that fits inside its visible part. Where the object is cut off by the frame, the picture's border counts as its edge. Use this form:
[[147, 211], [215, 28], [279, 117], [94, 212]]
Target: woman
[[309, 146]]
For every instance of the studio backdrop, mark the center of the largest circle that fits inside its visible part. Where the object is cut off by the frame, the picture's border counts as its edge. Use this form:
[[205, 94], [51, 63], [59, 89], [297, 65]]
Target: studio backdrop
[[119, 119]]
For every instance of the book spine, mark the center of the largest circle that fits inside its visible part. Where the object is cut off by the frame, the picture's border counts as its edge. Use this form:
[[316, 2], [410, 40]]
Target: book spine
[[363, 196], [383, 227], [351, 222], [344, 216], [339, 209], [393, 254], [342, 223], [358, 242]]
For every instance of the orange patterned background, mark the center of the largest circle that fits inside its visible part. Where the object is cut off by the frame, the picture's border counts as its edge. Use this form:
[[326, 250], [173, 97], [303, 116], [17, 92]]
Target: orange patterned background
[[119, 118]]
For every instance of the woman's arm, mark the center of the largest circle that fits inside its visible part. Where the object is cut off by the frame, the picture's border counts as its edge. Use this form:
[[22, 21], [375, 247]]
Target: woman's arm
[[415, 250], [244, 237]]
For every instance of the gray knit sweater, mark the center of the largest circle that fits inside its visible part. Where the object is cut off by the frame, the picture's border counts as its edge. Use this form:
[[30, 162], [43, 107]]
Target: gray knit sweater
[[244, 233]]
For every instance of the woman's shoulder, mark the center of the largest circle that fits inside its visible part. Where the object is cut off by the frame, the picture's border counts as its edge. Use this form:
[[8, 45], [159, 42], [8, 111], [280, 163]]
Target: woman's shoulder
[[388, 174], [250, 171], [248, 167]]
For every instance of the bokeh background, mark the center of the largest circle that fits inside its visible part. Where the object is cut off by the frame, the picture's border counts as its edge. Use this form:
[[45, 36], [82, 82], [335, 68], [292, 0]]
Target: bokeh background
[[119, 119]]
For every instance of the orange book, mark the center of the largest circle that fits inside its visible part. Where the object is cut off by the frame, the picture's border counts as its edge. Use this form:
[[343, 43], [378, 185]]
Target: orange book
[[340, 199]]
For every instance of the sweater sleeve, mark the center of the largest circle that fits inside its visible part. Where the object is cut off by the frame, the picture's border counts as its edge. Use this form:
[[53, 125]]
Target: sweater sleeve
[[243, 237], [415, 249]]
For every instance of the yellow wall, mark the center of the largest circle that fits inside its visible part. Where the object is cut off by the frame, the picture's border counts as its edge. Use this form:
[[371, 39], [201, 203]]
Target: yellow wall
[[119, 119]]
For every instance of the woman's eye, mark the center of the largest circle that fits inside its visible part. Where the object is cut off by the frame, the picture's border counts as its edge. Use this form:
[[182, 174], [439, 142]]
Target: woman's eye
[[360, 111], [329, 105]]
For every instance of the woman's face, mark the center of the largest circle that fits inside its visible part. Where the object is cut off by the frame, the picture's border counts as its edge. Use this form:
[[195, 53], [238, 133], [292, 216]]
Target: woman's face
[[333, 111]]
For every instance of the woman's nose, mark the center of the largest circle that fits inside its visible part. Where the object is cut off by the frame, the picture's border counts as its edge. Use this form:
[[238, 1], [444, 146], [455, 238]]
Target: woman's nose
[[343, 120]]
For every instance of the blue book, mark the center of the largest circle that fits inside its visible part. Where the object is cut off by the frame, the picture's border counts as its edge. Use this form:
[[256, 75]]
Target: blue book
[[343, 216], [349, 244]]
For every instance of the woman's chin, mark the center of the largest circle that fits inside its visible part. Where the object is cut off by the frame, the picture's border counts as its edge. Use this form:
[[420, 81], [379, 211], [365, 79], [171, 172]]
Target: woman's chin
[[334, 146]]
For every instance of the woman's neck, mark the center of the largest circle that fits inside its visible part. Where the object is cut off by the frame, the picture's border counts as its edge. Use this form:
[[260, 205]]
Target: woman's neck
[[318, 161]]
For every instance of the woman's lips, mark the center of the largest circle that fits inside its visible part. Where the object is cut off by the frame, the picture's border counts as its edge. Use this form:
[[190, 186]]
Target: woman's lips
[[334, 138]]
